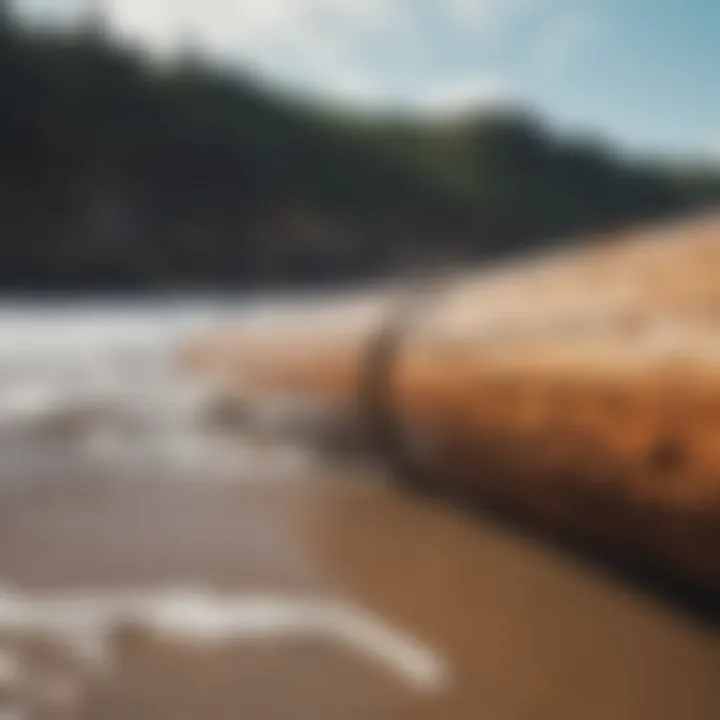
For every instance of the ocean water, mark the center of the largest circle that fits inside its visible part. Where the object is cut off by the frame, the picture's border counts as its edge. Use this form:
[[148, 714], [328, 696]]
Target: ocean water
[[100, 382]]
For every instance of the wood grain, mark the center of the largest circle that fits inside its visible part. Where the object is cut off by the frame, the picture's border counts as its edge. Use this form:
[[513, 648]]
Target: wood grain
[[581, 388]]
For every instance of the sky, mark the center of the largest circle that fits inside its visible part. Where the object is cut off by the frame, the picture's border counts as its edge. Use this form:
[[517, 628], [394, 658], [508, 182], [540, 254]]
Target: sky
[[641, 73]]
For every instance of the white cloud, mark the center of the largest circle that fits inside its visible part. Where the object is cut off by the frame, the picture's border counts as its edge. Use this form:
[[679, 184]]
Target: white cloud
[[713, 150], [461, 95], [231, 29], [366, 51], [319, 44]]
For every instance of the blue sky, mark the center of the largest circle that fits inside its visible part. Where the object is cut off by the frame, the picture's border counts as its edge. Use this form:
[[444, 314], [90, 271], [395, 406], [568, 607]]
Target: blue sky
[[643, 73]]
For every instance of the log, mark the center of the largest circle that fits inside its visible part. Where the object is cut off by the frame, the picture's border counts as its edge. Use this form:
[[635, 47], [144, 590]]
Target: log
[[579, 388]]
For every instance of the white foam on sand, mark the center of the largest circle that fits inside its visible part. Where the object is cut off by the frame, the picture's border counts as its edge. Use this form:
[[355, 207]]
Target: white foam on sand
[[104, 382], [84, 622]]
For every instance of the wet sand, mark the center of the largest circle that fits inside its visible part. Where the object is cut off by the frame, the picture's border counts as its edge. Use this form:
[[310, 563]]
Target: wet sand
[[516, 628]]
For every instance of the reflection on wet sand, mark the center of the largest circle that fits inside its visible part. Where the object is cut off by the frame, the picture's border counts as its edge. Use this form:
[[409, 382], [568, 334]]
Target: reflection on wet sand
[[538, 632], [525, 631]]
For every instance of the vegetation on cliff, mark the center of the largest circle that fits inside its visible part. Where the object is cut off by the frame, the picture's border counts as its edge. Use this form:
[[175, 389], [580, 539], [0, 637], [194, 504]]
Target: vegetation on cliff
[[119, 174]]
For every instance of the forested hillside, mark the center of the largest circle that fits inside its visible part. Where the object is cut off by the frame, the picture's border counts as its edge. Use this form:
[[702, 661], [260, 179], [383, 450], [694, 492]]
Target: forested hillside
[[118, 174]]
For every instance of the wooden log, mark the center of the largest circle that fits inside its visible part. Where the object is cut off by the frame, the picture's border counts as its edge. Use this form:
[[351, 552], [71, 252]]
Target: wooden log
[[581, 389]]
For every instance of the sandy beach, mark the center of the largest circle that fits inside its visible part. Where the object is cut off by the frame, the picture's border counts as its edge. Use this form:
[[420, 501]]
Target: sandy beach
[[449, 615], [153, 568]]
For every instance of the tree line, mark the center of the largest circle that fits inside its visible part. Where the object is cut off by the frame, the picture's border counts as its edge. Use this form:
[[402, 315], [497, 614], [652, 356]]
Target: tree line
[[118, 174]]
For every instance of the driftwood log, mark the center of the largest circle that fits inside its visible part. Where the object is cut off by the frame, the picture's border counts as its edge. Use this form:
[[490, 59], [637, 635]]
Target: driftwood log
[[580, 388]]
